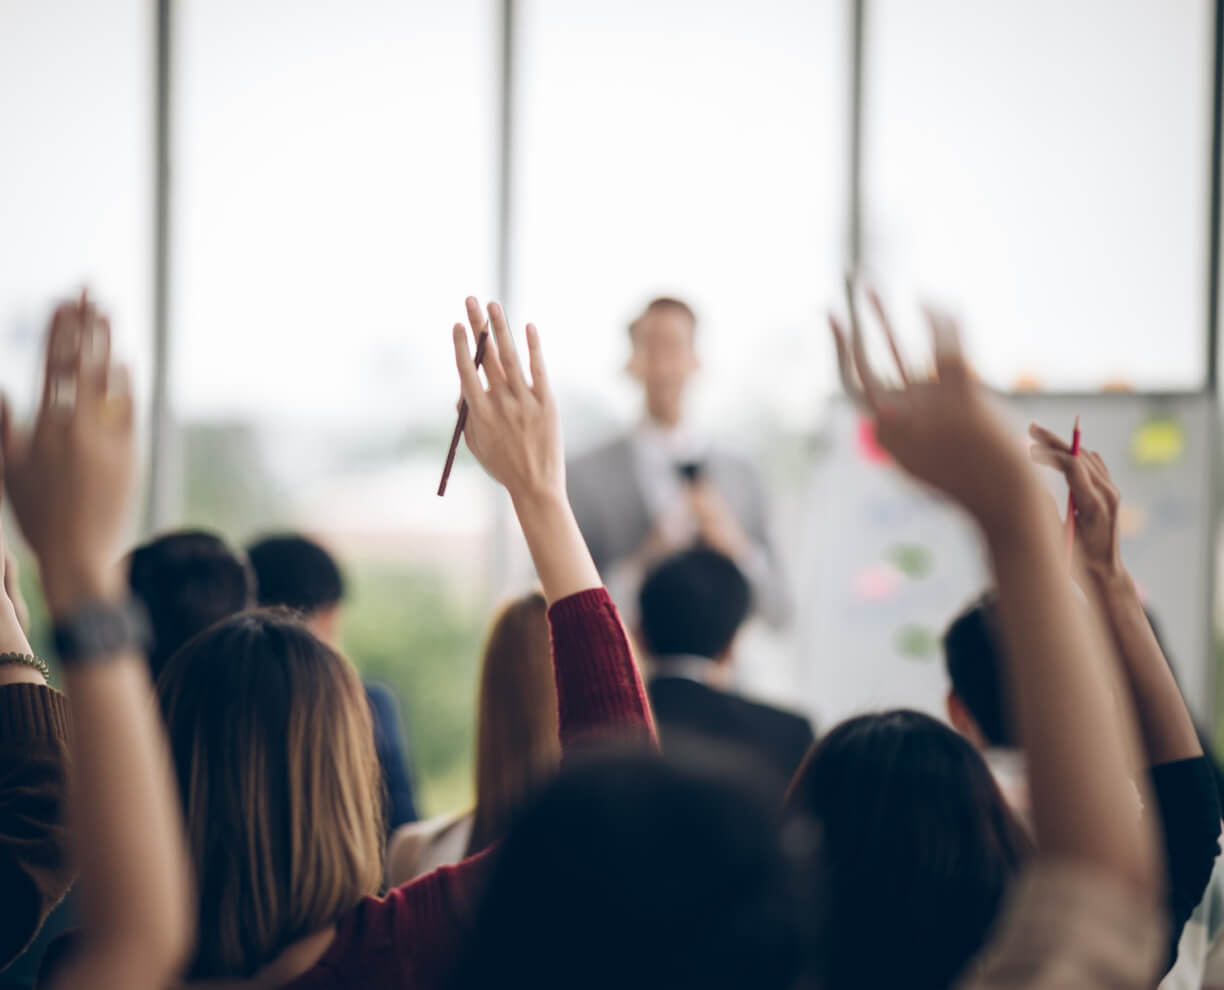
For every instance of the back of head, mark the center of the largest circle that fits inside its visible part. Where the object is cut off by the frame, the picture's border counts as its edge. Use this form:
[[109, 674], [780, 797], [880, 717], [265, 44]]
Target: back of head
[[517, 747], [295, 572], [693, 604], [270, 734], [972, 654], [633, 871], [187, 580], [919, 846]]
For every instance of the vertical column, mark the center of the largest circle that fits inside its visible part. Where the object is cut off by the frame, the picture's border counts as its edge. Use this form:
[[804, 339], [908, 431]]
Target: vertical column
[[163, 462]]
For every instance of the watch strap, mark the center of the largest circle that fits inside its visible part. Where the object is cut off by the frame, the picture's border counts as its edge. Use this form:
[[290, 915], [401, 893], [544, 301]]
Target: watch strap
[[100, 630]]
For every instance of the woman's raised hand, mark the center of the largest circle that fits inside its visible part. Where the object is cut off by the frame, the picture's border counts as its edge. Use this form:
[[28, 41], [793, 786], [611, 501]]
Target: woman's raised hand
[[513, 428], [70, 477], [941, 428]]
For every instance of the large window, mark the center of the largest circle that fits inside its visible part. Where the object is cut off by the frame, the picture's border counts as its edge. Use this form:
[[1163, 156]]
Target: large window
[[75, 200], [1044, 166], [75, 205], [334, 203], [682, 149]]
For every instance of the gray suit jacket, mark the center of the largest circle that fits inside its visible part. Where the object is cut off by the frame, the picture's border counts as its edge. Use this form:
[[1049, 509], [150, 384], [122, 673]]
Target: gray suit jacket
[[615, 520]]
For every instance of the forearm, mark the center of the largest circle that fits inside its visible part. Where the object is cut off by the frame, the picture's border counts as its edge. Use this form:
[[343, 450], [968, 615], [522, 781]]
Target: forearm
[[1165, 724], [562, 560], [599, 690], [134, 886], [129, 834], [1079, 747]]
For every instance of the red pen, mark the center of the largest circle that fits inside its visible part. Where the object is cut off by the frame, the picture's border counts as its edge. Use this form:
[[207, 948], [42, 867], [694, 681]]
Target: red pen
[[1075, 445]]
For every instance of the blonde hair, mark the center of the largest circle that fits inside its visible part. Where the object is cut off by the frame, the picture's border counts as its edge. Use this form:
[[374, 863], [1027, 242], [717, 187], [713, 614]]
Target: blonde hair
[[272, 740], [517, 747]]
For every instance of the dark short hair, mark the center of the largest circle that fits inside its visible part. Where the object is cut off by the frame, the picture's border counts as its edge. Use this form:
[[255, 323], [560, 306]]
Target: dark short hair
[[634, 870], [915, 830], [295, 572], [662, 304], [693, 603], [973, 657], [187, 580]]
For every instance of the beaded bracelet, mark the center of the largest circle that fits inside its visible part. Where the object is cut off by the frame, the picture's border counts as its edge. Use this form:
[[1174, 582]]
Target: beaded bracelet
[[26, 660]]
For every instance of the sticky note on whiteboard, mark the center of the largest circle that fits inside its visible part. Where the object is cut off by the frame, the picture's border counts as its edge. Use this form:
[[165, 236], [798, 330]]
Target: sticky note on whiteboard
[[1159, 441]]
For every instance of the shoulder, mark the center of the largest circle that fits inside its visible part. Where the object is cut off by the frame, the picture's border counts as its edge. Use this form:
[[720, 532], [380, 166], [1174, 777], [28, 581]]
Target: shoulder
[[780, 719], [610, 453], [408, 852]]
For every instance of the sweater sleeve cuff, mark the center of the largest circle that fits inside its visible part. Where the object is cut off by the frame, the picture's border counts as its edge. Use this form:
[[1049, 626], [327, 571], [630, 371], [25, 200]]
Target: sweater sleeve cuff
[[32, 711]]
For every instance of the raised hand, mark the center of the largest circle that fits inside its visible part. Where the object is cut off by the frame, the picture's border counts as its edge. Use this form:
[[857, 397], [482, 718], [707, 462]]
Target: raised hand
[[941, 429], [70, 477], [1097, 499], [513, 427]]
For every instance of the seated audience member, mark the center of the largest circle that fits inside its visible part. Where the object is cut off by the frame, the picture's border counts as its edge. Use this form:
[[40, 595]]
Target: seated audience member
[[916, 828], [1085, 911], [70, 480], [1182, 776], [516, 746], [187, 580], [296, 573], [271, 739], [635, 871], [690, 608]]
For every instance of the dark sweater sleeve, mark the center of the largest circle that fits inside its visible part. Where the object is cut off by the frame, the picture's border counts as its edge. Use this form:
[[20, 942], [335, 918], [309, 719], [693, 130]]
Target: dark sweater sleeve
[[599, 690], [1185, 795], [35, 869], [599, 694]]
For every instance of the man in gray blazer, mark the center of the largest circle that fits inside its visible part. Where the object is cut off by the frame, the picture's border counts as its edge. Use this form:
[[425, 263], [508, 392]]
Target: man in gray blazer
[[664, 486]]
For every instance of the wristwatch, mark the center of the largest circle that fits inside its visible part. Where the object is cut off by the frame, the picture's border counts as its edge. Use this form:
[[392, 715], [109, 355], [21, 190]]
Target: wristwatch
[[100, 630]]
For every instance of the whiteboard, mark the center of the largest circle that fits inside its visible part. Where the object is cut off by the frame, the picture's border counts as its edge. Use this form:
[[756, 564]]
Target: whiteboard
[[887, 564]]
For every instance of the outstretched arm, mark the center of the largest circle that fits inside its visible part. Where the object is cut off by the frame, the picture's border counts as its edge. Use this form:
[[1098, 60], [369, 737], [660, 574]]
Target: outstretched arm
[[1079, 745], [1182, 780], [513, 429], [1165, 723], [70, 481]]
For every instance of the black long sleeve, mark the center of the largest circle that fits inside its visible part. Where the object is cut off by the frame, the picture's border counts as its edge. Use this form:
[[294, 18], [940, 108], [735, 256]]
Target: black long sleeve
[[1186, 797]]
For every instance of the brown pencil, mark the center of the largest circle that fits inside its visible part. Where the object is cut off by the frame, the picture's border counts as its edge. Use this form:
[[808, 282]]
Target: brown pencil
[[463, 413]]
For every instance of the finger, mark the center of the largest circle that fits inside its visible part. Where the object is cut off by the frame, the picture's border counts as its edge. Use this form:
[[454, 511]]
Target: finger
[[506, 351], [845, 364], [469, 382], [118, 407], [6, 431], [480, 327], [12, 439], [535, 356], [63, 346], [476, 316], [1099, 466], [1074, 469], [93, 363], [873, 388], [874, 298], [945, 340], [1101, 477], [1048, 439]]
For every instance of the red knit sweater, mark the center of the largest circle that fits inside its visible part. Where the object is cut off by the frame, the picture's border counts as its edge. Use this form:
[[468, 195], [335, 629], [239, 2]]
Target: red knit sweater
[[411, 937]]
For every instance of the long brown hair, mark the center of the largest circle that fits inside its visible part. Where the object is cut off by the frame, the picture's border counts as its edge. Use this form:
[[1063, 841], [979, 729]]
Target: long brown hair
[[271, 736], [517, 747]]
